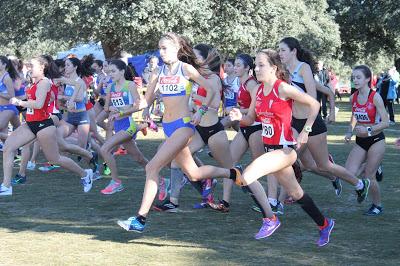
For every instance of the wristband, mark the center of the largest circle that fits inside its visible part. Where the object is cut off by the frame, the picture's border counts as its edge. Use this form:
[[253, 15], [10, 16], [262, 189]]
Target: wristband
[[121, 113], [203, 109]]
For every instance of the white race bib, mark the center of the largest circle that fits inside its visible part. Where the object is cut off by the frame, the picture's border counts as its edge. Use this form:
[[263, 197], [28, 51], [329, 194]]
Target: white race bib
[[362, 117], [169, 85], [29, 111], [268, 130], [117, 99]]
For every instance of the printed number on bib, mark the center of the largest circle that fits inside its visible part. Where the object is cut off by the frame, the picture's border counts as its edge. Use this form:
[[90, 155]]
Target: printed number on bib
[[117, 102], [229, 94], [169, 88], [362, 117], [29, 111], [268, 130]]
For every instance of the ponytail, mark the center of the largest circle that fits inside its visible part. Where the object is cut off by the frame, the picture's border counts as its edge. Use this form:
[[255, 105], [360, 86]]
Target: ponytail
[[9, 67], [50, 70]]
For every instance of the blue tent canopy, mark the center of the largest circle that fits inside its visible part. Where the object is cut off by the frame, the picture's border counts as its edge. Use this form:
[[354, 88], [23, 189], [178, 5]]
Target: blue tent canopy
[[140, 61]]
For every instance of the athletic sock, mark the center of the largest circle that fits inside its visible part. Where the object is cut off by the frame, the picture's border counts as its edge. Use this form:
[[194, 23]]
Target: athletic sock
[[232, 174], [141, 219], [360, 185], [308, 205]]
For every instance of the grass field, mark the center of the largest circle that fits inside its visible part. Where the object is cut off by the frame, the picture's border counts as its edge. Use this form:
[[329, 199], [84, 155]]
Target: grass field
[[50, 221]]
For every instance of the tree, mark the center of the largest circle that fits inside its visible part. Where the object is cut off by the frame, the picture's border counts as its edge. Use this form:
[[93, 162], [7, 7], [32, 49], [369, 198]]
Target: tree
[[369, 30], [136, 26]]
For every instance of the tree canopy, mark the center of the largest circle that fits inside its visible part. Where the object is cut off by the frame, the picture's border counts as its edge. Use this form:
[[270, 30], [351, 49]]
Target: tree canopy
[[344, 30]]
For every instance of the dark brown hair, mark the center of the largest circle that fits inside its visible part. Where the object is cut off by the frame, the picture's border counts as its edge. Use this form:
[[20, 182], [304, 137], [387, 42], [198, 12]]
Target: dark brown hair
[[274, 60]]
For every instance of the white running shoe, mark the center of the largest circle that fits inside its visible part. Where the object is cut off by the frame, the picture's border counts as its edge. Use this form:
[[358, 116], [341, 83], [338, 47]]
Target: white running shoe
[[31, 165], [87, 181], [5, 191]]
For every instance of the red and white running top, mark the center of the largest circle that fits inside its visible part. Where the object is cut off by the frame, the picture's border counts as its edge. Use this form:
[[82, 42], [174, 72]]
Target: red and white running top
[[365, 113], [37, 114], [275, 115]]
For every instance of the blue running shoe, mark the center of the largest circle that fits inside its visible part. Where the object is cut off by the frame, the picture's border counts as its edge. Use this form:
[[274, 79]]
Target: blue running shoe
[[132, 224], [325, 233], [18, 180], [268, 228], [374, 210]]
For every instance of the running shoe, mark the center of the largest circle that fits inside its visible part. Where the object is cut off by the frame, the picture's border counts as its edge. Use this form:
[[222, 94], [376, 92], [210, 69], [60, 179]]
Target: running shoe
[[210, 154], [18, 180], [106, 169], [121, 151], [5, 191], [363, 193], [17, 158], [239, 170], [325, 233], [132, 224], [94, 161], [208, 186], [268, 227], [337, 185], [31, 165], [220, 206], [48, 167], [276, 209], [374, 210], [379, 174], [112, 187], [205, 202], [87, 181], [166, 206]]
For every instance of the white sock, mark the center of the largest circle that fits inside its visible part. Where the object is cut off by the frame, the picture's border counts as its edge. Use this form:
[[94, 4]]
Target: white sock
[[273, 201], [360, 185]]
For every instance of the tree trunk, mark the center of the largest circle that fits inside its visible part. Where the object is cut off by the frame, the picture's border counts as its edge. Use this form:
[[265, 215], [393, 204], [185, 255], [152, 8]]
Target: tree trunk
[[112, 49]]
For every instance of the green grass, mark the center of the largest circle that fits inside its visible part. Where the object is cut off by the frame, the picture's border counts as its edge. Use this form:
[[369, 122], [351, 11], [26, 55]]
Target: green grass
[[50, 220]]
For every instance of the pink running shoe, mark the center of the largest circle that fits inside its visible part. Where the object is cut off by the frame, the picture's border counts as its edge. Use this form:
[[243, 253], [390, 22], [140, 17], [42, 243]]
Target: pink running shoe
[[112, 187]]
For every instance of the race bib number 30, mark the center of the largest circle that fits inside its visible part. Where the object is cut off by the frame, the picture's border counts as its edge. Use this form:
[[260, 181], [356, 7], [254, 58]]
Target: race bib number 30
[[267, 130], [362, 117]]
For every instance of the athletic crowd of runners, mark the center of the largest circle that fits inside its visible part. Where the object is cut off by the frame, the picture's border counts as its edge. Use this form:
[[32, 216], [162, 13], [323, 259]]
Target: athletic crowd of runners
[[85, 108]]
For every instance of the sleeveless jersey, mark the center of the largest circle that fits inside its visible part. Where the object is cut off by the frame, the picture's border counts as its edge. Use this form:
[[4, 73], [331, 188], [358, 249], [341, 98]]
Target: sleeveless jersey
[[244, 97], [365, 113], [37, 114], [296, 80], [275, 115], [122, 98], [230, 91], [173, 85], [69, 91], [21, 90], [53, 105], [3, 87]]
